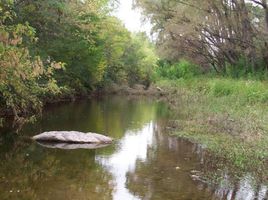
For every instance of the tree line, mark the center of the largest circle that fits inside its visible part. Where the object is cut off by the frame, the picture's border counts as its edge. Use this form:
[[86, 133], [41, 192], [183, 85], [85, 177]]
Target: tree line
[[228, 36], [56, 49]]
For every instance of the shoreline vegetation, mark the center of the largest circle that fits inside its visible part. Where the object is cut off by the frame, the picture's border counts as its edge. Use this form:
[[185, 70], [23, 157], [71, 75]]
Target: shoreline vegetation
[[56, 50], [226, 121], [223, 115]]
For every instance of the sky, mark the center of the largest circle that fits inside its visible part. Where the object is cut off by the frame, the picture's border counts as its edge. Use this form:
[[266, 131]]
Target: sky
[[132, 18]]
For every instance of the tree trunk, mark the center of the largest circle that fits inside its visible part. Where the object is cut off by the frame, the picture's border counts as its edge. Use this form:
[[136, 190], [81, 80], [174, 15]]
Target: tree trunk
[[266, 18]]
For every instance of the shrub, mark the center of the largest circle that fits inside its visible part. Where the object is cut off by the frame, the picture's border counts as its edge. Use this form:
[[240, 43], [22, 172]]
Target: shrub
[[183, 69], [221, 88], [23, 78]]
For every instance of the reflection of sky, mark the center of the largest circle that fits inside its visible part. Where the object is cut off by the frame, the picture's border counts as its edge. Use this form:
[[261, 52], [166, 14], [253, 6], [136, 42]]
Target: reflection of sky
[[133, 146], [244, 190]]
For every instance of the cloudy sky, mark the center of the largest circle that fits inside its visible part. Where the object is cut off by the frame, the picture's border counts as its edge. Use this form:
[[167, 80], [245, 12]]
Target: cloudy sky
[[132, 18]]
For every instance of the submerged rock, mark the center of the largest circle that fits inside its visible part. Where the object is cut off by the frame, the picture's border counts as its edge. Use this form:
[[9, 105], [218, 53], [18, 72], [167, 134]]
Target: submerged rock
[[72, 137], [71, 146]]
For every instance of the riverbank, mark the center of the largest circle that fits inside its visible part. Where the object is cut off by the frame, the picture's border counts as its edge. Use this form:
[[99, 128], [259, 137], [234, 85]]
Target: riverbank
[[172, 167], [135, 90], [228, 117]]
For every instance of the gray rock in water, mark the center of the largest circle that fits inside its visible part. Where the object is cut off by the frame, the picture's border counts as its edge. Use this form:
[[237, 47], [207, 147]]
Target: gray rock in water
[[73, 137], [71, 146]]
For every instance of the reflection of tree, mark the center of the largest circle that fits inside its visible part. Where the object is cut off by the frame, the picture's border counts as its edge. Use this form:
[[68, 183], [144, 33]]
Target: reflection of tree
[[39, 173], [158, 178], [53, 174], [111, 116]]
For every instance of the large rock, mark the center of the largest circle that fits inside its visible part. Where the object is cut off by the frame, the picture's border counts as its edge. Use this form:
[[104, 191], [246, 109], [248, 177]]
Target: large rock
[[73, 137]]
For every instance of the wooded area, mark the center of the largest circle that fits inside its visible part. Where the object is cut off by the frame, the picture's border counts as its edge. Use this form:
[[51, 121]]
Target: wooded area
[[52, 50], [226, 35], [58, 49]]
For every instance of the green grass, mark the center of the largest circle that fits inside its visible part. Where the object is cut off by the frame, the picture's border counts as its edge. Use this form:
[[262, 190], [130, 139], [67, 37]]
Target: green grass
[[228, 116], [247, 90]]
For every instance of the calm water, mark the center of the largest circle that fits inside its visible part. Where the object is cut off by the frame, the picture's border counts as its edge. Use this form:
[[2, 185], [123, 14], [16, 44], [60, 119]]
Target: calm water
[[145, 162]]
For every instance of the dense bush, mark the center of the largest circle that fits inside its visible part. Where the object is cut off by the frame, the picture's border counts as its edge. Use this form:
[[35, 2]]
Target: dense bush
[[243, 69], [182, 69], [23, 78]]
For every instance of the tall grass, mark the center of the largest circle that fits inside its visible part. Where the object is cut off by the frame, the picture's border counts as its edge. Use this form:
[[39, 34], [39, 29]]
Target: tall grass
[[237, 81], [229, 116], [246, 91], [227, 113]]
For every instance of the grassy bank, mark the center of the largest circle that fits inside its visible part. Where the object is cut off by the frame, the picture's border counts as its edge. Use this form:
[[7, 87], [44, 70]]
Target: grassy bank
[[229, 117]]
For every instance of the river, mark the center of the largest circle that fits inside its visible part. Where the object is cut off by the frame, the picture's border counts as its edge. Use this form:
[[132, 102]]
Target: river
[[144, 163]]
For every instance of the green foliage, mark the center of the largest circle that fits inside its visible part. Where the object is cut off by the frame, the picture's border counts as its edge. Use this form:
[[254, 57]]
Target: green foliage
[[244, 69], [244, 91], [140, 60], [88, 47], [228, 116], [95, 46], [131, 58], [183, 69], [24, 78], [248, 91], [221, 88], [237, 71], [68, 32]]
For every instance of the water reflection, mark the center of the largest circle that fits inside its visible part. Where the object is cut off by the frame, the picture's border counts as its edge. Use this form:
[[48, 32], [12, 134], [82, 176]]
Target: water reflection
[[145, 164], [244, 189], [133, 147], [167, 173]]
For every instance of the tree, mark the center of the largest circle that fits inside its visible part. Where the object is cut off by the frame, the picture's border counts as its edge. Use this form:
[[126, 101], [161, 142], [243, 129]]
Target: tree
[[217, 33], [88, 47], [23, 78]]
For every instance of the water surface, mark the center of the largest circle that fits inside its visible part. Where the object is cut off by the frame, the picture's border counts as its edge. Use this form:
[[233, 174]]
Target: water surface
[[144, 163]]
